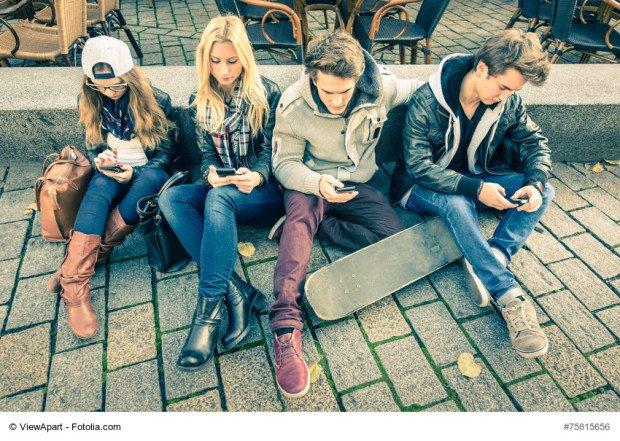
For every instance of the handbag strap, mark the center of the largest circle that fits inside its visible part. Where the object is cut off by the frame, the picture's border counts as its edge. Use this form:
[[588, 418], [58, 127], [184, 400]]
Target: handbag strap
[[173, 180]]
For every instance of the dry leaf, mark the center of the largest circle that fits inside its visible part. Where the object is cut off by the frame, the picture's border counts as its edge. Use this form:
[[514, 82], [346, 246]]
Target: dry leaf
[[315, 372], [246, 249], [612, 161], [468, 366], [598, 167], [31, 208]]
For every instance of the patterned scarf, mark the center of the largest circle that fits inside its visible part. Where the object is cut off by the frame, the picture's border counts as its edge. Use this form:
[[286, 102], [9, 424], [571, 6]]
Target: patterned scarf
[[116, 117], [233, 138]]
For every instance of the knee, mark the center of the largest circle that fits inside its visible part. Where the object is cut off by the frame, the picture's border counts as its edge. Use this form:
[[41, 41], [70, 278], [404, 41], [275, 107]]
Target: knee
[[156, 176], [457, 205], [219, 198], [169, 199], [101, 185], [300, 204]]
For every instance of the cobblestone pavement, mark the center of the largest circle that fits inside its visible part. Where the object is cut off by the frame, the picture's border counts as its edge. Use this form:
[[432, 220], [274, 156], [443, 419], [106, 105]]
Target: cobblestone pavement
[[399, 354], [169, 31]]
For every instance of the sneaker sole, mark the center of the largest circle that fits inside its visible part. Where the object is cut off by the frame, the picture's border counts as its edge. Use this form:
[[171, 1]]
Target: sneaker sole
[[535, 354], [275, 228], [300, 393], [476, 290]]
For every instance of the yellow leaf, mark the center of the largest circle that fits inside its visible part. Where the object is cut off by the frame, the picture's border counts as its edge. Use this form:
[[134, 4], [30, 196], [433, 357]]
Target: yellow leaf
[[315, 371], [468, 366], [598, 167], [31, 208], [612, 161], [246, 249]]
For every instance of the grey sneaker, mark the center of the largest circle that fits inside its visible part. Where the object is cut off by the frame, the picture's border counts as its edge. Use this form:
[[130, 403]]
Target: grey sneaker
[[526, 335], [276, 230], [476, 289]]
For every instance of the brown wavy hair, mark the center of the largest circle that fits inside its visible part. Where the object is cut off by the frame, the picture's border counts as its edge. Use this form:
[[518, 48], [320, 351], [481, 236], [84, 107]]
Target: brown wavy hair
[[151, 123]]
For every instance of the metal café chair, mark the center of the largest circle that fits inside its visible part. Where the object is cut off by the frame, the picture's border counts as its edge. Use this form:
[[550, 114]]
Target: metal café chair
[[536, 13]]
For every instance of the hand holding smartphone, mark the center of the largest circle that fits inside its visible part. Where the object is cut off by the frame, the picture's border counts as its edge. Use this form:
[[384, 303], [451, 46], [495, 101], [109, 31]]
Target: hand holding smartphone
[[223, 172], [114, 168], [520, 201], [345, 189]]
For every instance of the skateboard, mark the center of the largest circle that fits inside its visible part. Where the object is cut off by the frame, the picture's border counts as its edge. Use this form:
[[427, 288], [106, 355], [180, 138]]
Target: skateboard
[[374, 272]]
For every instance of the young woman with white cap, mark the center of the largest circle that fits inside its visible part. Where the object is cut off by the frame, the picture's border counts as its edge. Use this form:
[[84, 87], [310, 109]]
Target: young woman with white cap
[[234, 115], [129, 139]]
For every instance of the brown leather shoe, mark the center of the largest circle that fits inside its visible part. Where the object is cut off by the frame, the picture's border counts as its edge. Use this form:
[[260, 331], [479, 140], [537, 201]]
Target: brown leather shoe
[[76, 271], [292, 373], [114, 234], [53, 283]]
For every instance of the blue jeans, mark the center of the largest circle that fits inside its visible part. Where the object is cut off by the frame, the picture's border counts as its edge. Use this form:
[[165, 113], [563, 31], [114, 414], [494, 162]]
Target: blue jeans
[[205, 221], [103, 194], [459, 214]]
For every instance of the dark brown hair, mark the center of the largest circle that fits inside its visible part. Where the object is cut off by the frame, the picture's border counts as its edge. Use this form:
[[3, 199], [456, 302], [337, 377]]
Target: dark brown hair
[[337, 54], [515, 49]]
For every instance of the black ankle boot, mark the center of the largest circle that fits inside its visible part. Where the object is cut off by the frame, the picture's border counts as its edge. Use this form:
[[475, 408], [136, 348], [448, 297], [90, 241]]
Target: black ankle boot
[[240, 299], [203, 335]]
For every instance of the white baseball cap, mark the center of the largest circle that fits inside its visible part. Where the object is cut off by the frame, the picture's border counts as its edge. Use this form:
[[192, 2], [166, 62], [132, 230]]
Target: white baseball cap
[[108, 50]]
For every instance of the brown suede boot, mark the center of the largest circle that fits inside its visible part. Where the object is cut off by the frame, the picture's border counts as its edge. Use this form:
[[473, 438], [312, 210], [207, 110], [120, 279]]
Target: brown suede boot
[[53, 284], [75, 273], [114, 234]]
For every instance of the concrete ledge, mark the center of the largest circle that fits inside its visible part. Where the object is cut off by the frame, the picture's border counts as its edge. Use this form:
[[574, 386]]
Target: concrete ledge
[[578, 109]]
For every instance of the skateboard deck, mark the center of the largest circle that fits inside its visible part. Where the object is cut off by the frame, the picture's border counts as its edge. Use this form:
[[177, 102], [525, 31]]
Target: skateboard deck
[[368, 275]]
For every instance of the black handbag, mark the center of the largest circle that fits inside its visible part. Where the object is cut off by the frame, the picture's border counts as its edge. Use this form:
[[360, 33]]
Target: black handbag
[[165, 252]]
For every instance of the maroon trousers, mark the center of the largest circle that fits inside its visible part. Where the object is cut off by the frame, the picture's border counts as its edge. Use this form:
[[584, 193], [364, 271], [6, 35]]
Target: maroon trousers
[[364, 220]]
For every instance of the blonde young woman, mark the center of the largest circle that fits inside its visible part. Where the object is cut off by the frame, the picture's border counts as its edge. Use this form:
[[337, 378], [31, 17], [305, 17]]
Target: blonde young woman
[[234, 116], [128, 141]]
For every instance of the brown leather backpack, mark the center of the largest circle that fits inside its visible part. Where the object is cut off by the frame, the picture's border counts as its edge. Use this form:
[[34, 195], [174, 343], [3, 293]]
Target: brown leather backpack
[[60, 191]]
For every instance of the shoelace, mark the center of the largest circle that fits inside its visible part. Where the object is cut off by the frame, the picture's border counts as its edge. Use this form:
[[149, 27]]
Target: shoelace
[[517, 315], [287, 350]]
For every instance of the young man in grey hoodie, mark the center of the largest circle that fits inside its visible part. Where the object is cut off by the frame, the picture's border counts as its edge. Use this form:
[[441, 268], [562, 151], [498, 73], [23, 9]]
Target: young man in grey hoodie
[[469, 143], [327, 127]]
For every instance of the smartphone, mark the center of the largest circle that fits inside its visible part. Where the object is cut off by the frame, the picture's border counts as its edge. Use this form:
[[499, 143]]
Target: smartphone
[[225, 171], [114, 168], [345, 189], [519, 201]]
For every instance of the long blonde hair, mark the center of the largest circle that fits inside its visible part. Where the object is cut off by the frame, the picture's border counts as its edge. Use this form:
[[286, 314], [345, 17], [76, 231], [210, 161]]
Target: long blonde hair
[[151, 123], [210, 95]]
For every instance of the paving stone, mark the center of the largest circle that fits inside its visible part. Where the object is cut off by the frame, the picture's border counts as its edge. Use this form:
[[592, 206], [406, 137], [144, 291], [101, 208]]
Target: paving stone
[[607, 181], [595, 255], [350, 361], [607, 362], [75, 381], [177, 301], [8, 271], [540, 394], [414, 380], [179, 383], [36, 225], [600, 225], [488, 223], [134, 389], [320, 398], [65, 339], [439, 332], [131, 336], [207, 402], [248, 382], [41, 257], [383, 320], [32, 303], [416, 293], [491, 336], [571, 177], [611, 318], [603, 201], [22, 175], [191, 267], [567, 366], [3, 311], [450, 284], [546, 247], [13, 204], [576, 321], [559, 223], [28, 402], [12, 239], [261, 277], [584, 284], [446, 406], [24, 358], [531, 273], [265, 248], [134, 246], [566, 198], [374, 398], [480, 394], [333, 252], [606, 402], [130, 283]]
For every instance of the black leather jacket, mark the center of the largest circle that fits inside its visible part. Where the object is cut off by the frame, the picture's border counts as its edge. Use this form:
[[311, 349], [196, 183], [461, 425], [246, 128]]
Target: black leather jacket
[[259, 153], [159, 157], [516, 145]]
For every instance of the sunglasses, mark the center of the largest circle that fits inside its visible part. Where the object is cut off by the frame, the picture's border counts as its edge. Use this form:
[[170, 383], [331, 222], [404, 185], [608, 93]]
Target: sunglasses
[[114, 88]]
